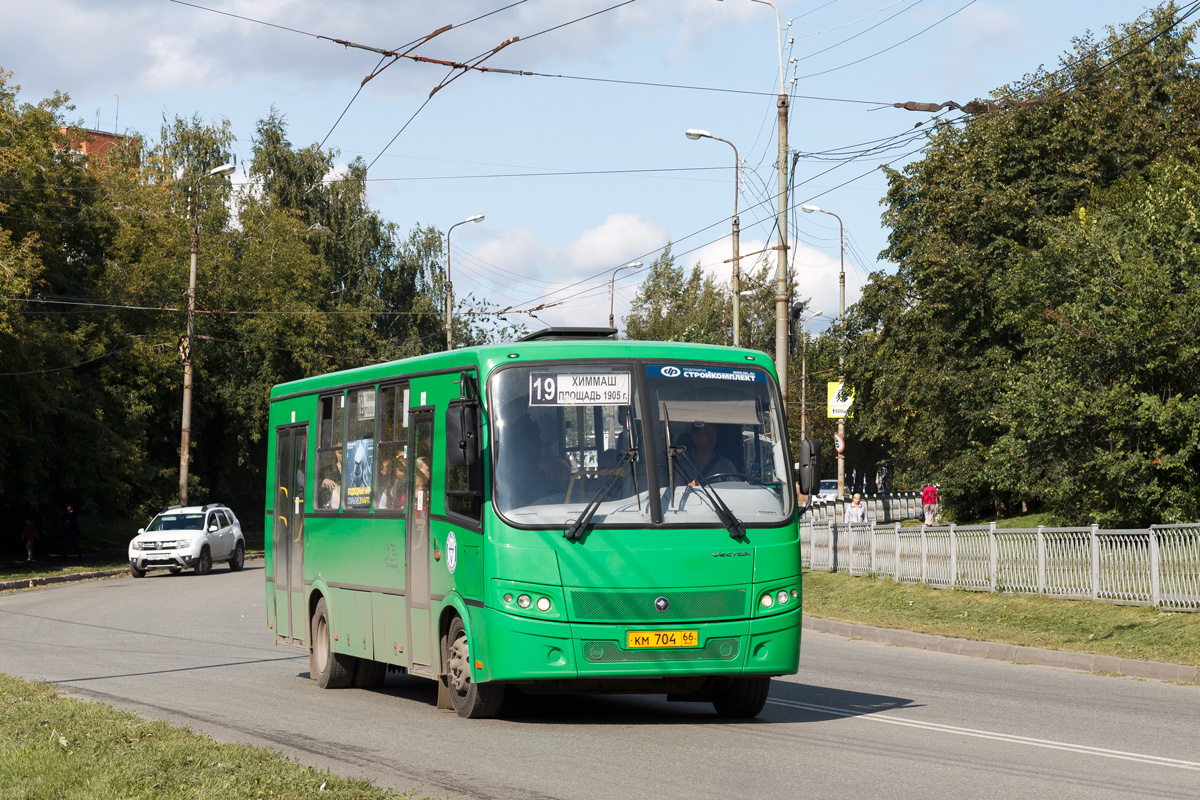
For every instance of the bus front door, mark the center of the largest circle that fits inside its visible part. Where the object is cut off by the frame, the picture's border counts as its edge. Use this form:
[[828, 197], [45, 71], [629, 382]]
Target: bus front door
[[416, 547], [291, 451]]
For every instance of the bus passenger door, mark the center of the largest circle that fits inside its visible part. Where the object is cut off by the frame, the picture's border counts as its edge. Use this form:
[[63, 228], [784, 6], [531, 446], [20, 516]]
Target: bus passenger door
[[291, 451], [416, 542]]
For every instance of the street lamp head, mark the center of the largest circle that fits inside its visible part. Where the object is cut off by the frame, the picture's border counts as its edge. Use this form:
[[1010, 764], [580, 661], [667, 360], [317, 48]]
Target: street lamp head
[[221, 171], [476, 218], [809, 209], [696, 133]]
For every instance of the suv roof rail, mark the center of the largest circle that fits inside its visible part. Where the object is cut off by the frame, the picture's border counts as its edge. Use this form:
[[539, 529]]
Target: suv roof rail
[[176, 505]]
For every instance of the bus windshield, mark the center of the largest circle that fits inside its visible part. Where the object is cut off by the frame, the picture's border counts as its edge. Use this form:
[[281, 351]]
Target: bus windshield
[[702, 445]]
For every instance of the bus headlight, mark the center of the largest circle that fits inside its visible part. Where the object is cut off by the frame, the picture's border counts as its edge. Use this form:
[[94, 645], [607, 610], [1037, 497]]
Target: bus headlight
[[543, 604], [523, 601], [782, 597], [767, 600]]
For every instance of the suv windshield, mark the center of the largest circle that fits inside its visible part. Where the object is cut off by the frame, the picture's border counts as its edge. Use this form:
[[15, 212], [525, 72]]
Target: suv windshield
[[641, 442], [177, 522]]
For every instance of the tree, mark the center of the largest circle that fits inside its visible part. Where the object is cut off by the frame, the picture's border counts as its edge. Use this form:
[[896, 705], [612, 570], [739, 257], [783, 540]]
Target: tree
[[670, 307], [933, 349], [1101, 421]]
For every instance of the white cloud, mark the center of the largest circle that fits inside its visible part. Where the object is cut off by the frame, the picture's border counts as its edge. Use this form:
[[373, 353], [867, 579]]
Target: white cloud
[[514, 268], [151, 46], [816, 275]]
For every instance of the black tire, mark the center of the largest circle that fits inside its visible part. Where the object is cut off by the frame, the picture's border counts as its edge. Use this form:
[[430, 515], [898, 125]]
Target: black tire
[[740, 697], [238, 559], [329, 669], [204, 563], [369, 674], [135, 572], [471, 700]]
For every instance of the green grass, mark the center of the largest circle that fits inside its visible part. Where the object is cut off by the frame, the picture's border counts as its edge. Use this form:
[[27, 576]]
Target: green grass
[[21, 570], [1146, 634], [60, 748]]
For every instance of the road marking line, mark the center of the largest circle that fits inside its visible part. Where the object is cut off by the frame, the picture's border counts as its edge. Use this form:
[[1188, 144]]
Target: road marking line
[[1002, 737]]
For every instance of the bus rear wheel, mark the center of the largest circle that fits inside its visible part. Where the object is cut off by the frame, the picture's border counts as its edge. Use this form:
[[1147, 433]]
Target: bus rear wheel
[[740, 697], [329, 669], [471, 700]]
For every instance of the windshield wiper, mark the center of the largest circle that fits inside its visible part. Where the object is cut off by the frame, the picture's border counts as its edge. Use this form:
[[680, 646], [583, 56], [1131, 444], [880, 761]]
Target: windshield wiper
[[574, 532], [736, 528]]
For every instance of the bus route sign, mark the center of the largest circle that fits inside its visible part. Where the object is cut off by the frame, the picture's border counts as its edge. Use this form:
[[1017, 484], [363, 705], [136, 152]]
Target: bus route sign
[[579, 389]]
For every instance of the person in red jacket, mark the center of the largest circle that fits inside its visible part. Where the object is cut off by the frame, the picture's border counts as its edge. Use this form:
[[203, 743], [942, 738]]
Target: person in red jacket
[[929, 500]]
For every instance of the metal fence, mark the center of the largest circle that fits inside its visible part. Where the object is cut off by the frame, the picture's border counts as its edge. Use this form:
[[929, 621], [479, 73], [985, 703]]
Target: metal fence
[[1159, 566], [887, 507]]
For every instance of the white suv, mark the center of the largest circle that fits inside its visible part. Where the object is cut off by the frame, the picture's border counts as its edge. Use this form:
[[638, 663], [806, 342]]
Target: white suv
[[192, 536]]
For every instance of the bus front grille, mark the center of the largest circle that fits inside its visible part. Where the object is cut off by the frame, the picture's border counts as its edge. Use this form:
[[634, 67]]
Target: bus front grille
[[592, 606], [609, 652]]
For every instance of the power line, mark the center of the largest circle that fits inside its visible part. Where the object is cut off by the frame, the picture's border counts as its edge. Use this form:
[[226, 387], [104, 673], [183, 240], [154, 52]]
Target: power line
[[894, 46]]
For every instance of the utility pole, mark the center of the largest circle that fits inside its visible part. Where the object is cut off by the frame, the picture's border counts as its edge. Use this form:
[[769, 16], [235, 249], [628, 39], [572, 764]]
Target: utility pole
[[781, 292], [186, 347]]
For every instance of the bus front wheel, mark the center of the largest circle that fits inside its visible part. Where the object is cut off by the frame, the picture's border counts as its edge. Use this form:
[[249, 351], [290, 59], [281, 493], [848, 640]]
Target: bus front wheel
[[329, 669], [470, 699], [740, 697]]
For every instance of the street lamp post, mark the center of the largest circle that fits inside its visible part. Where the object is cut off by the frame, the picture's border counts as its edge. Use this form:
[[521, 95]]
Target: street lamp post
[[808, 209], [694, 135], [804, 376], [185, 435], [450, 286], [612, 285]]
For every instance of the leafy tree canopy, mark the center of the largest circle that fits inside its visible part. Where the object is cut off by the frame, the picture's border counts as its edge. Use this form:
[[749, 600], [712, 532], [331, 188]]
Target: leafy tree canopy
[[976, 361]]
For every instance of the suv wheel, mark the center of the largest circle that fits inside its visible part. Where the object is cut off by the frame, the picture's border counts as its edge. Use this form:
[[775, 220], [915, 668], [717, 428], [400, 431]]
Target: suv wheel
[[204, 563], [135, 572], [238, 559]]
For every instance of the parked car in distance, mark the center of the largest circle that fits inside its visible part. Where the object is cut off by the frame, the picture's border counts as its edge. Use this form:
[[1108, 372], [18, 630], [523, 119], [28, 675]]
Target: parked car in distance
[[188, 537], [828, 490]]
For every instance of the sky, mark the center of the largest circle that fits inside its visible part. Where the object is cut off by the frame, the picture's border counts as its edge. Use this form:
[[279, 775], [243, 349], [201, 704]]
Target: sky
[[584, 166]]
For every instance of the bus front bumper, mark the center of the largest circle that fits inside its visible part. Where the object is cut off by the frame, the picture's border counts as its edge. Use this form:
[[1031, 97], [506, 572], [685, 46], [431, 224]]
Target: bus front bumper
[[518, 648]]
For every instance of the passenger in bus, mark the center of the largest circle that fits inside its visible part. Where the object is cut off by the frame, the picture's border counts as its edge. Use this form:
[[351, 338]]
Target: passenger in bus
[[702, 455], [330, 495], [391, 483]]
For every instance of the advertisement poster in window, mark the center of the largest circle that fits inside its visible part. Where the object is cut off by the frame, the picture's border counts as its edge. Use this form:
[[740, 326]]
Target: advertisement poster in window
[[360, 457]]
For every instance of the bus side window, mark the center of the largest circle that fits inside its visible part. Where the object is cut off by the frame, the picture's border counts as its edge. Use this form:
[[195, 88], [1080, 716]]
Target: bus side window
[[464, 461], [329, 452], [391, 448]]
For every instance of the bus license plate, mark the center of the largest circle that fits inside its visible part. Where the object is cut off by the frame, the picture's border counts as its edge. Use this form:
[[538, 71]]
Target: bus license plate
[[661, 639]]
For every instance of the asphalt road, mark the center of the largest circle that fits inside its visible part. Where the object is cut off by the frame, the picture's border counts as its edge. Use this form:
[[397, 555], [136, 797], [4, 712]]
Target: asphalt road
[[860, 720]]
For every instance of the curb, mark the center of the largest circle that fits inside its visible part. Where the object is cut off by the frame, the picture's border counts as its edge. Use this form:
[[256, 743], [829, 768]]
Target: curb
[[46, 580], [995, 651], [70, 577]]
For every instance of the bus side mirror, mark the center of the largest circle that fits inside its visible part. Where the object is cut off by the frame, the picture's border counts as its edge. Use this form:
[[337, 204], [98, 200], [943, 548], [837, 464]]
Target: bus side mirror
[[809, 475], [462, 434]]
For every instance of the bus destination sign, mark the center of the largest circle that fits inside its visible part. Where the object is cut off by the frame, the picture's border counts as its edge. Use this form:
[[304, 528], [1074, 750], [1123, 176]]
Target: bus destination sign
[[579, 389]]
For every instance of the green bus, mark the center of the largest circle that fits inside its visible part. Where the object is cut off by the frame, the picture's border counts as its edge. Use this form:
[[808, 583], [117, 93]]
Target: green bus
[[568, 512]]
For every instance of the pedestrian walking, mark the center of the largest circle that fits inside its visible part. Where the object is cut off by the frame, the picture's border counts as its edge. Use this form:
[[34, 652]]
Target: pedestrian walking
[[856, 512], [929, 501], [29, 535], [70, 531]]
